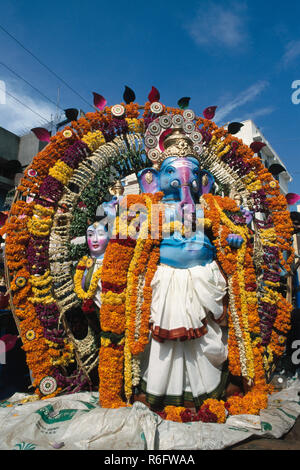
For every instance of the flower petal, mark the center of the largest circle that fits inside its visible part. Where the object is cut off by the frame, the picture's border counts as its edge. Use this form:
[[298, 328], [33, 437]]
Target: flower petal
[[292, 198], [154, 95], [184, 102], [99, 101], [209, 112], [234, 127], [42, 134], [128, 95], [257, 146]]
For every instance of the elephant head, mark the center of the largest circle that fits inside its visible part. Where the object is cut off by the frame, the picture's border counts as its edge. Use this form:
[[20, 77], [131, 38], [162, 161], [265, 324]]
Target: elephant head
[[180, 179]]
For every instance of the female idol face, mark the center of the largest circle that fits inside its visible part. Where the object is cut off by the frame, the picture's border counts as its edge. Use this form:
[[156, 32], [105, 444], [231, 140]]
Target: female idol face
[[97, 239]]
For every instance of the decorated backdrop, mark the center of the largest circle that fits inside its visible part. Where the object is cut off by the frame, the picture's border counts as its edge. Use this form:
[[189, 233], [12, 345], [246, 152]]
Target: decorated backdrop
[[45, 240]]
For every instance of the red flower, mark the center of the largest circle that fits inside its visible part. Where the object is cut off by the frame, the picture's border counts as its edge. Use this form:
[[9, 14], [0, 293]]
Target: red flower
[[82, 206], [227, 406], [88, 306], [186, 416], [162, 414], [206, 416]]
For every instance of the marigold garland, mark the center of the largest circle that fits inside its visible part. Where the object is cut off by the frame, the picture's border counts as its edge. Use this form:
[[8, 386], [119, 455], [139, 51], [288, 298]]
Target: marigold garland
[[243, 312], [116, 266], [81, 267], [211, 411]]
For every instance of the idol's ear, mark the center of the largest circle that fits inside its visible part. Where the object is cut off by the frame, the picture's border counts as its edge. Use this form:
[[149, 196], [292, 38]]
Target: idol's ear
[[206, 181], [148, 180]]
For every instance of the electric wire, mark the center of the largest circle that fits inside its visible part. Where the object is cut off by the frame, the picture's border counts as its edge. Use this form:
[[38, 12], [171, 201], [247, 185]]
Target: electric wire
[[44, 65], [26, 106], [32, 86]]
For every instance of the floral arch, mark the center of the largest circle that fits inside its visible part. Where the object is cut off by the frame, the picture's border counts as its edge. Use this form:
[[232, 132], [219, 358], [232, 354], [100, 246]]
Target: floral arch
[[59, 194]]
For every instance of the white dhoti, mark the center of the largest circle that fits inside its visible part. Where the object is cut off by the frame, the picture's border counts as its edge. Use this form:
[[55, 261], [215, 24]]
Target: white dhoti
[[184, 357]]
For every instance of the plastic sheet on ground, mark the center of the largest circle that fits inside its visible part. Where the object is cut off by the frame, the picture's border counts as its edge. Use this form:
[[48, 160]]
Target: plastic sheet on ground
[[77, 422]]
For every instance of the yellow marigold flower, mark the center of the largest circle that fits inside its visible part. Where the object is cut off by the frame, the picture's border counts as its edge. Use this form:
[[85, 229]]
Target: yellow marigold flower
[[226, 150], [249, 178], [94, 140], [134, 125], [61, 171], [255, 186], [216, 407], [105, 342]]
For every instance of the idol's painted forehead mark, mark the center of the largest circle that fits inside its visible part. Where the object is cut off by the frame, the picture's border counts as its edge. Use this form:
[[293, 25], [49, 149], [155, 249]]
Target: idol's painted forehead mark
[[180, 163], [95, 228], [184, 163]]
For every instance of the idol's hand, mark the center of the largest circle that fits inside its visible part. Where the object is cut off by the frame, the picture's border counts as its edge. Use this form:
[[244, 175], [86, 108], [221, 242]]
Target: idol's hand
[[235, 241]]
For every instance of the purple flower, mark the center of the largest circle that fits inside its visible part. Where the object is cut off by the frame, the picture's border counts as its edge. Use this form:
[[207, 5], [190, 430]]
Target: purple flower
[[148, 120], [75, 154], [77, 382], [37, 255], [120, 126], [206, 135], [51, 188]]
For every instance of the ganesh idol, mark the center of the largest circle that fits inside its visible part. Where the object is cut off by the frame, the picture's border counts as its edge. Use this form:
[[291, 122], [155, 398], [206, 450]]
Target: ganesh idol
[[183, 360]]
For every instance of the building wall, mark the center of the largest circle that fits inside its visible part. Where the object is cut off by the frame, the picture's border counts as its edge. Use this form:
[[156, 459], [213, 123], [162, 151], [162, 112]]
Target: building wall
[[13, 147], [28, 148], [249, 133], [9, 145]]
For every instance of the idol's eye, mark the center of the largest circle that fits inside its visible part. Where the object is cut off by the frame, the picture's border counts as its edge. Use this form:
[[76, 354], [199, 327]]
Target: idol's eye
[[196, 172], [170, 170], [195, 185]]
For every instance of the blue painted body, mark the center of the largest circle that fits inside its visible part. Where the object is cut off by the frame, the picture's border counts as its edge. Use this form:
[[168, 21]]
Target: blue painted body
[[181, 181], [183, 253]]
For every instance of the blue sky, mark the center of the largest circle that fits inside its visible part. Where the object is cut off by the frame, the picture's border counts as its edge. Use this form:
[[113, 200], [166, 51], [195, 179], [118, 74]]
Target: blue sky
[[240, 56]]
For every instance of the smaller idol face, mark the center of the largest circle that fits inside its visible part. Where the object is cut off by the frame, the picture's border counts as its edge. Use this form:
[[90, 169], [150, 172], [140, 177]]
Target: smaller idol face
[[97, 239]]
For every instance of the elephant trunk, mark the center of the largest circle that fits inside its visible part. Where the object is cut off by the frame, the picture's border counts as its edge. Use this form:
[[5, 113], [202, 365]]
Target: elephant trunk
[[187, 205]]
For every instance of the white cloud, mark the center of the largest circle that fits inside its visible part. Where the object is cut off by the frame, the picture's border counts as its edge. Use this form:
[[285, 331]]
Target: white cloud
[[16, 117], [242, 98], [258, 113], [219, 25], [292, 52]]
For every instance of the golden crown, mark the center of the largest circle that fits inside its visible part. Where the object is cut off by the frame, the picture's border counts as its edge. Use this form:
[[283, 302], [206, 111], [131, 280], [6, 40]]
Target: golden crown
[[178, 144], [173, 136]]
